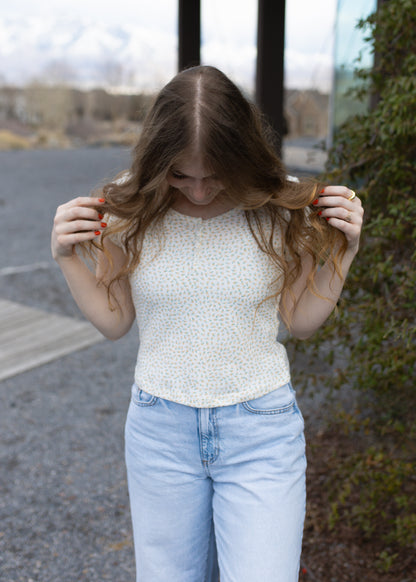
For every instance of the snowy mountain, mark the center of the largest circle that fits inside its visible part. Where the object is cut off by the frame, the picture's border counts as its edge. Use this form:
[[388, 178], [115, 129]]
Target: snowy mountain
[[85, 53], [130, 57]]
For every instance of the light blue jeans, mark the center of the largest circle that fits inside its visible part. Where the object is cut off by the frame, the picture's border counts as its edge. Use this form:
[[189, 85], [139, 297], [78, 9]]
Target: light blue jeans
[[216, 486]]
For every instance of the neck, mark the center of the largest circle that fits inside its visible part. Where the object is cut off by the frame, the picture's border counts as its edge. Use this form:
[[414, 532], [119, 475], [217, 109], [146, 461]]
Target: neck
[[218, 206]]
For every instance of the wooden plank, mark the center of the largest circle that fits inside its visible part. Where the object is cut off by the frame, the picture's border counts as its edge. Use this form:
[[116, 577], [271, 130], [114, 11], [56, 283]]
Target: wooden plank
[[31, 337]]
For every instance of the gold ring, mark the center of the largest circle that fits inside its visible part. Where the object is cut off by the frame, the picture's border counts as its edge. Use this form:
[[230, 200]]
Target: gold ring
[[353, 195]]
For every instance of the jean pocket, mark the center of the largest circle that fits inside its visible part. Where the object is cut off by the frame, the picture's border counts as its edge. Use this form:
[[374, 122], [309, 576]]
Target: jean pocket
[[142, 398], [278, 401]]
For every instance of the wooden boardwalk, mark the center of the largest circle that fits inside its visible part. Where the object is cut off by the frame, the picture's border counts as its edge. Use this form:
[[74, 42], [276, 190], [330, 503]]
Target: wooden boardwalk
[[30, 337]]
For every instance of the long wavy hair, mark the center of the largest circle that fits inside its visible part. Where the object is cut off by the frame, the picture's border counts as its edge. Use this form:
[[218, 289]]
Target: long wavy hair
[[201, 108]]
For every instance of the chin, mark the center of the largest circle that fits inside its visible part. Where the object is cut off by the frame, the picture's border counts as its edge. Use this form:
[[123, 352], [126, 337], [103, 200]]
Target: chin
[[201, 202], [198, 203]]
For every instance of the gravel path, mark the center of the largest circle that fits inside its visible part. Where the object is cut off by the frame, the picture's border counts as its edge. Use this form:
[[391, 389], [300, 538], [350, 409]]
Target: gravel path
[[64, 513]]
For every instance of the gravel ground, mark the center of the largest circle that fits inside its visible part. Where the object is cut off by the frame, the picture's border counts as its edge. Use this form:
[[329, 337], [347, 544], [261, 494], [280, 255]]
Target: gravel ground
[[63, 501], [64, 513], [64, 504]]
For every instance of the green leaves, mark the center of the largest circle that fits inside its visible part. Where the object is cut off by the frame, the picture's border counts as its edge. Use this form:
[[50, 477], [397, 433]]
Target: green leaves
[[375, 153], [373, 494]]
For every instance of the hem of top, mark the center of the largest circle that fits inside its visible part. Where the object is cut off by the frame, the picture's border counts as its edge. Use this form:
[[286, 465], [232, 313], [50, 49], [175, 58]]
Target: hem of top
[[214, 404]]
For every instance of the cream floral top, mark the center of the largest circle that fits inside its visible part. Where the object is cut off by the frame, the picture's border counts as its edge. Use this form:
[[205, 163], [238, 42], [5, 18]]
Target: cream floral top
[[206, 338]]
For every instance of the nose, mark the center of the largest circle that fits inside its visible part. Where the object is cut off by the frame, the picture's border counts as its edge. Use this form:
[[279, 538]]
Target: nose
[[201, 189]]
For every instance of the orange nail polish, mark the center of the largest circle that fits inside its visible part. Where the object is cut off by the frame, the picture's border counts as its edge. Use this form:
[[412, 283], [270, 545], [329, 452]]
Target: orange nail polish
[[103, 224], [101, 200], [100, 216], [322, 191], [315, 202], [97, 232], [319, 213]]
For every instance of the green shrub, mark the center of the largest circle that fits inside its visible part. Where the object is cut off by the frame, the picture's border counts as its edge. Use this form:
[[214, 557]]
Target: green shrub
[[375, 153]]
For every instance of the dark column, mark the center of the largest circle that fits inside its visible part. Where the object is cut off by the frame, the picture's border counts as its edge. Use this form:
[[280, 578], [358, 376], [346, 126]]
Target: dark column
[[270, 61], [189, 33]]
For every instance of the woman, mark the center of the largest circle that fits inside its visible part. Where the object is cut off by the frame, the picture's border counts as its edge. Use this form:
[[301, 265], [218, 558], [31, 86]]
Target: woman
[[206, 241]]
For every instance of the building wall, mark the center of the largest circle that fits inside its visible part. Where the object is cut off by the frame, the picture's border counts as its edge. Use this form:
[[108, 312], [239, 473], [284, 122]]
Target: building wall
[[306, 114]]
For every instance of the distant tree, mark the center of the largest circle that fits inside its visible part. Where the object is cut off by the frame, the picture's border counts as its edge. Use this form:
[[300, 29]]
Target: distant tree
[[58, 72], [138, 106], [49, 107]]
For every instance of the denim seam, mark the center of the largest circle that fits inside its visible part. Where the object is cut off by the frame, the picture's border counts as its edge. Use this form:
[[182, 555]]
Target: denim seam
[[138, 402], [214, 437], [211, 534], [271, 411], [201, 448]]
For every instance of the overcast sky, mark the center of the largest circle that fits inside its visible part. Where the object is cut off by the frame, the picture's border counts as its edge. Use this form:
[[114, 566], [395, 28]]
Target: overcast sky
[[228, 30]]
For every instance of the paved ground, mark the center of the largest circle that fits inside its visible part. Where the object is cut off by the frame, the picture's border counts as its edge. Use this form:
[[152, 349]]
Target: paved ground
[[64, 514]]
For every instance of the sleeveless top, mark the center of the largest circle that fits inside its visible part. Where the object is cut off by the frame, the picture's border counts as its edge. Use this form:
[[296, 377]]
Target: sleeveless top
[[207, 337]]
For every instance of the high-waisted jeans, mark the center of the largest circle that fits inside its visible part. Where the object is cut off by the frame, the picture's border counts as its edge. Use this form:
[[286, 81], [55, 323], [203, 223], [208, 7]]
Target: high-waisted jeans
[[216, 487]]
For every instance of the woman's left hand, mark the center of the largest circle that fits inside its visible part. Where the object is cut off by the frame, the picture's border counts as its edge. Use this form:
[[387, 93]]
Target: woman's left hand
[[343, 210]]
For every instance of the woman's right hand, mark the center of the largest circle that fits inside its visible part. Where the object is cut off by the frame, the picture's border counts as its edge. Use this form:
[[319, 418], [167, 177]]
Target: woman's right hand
[[76, 221]]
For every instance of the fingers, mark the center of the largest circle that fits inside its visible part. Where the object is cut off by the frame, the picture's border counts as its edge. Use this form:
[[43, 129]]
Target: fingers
[[78, 218], [338, 201], [337, 191], [63, 244], [352, 216], [76, 221], [333, 195], [83, 201], [342, 210], [80, 213]]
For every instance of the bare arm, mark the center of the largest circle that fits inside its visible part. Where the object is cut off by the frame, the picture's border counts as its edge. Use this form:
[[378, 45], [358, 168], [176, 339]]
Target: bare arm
[[303, 311], [78, 221]]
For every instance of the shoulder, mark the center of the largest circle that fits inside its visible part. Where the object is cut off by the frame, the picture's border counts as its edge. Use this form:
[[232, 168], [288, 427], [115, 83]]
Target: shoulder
[[268, 226], [270, 217]]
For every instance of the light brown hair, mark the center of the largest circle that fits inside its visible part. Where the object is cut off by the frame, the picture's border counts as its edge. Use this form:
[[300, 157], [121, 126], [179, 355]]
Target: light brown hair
[[201, 108]]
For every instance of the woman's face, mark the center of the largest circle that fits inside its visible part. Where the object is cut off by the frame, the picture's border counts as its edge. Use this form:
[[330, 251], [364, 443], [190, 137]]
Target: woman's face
[[194, 181]]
